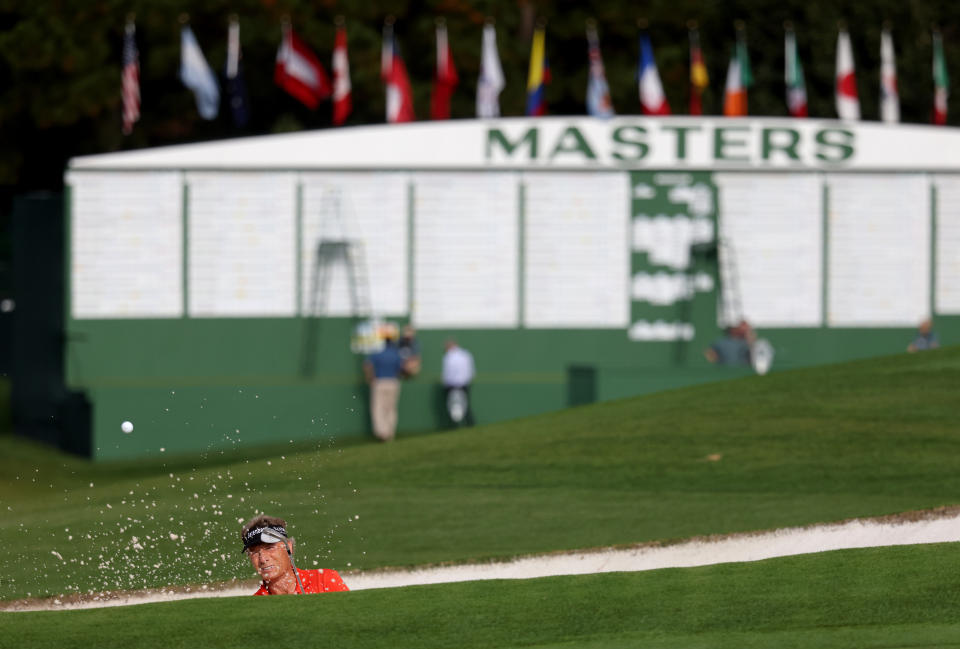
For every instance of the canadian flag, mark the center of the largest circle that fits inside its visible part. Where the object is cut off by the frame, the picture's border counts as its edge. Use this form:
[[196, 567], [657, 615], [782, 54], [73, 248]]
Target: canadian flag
[[848, 104], [342, 93], [299, 72]]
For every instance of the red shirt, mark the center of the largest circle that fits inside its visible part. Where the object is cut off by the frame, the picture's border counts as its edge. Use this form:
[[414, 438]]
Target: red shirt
[[314, 581]]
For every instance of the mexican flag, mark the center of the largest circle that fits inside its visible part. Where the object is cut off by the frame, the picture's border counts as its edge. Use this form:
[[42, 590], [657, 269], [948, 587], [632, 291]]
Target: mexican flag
[[941, 81], [793, 76]]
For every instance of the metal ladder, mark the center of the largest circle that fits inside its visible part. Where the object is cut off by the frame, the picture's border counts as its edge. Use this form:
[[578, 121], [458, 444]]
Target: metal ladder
[[333, 247], [731, 306]]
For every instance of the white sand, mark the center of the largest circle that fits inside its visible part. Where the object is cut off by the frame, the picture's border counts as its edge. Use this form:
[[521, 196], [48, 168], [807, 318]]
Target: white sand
[[936, 526]]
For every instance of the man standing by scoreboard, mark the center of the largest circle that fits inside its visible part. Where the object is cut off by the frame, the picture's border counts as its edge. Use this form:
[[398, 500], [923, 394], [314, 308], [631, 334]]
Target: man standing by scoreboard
[[458, 372]]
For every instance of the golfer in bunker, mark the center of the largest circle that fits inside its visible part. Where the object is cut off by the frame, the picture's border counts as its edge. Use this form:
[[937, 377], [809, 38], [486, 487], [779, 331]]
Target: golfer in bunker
[[270, 550]]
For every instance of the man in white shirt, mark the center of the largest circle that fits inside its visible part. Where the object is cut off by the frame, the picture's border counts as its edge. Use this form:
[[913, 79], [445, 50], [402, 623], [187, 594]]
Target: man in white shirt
[[458, 372]]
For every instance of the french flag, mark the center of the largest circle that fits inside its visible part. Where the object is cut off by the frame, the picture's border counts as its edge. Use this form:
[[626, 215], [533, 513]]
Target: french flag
[[652, 99]]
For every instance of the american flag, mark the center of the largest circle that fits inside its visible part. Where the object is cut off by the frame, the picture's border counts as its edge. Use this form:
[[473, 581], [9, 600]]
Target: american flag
[[131, 80]]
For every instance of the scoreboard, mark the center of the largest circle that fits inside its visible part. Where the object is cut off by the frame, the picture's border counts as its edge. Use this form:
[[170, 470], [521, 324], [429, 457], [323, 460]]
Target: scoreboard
[[543, 243]]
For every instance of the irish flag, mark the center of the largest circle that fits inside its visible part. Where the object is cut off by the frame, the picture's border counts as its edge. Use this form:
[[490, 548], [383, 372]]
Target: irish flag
[[848, 104], [739, 78]]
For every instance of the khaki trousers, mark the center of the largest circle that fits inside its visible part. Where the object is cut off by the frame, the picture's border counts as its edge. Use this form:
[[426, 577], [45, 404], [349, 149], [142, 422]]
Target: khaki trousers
[[384, 395]]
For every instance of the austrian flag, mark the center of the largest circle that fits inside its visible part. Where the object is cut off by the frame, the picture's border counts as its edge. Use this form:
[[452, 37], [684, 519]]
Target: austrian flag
[[299, 72]]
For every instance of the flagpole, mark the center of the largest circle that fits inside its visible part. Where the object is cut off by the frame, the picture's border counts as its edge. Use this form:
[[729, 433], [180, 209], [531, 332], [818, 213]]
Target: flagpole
[[386, 57]]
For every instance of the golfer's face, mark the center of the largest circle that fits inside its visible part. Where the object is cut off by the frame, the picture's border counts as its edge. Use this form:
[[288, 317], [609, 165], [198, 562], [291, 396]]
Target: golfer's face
[[270, 560]]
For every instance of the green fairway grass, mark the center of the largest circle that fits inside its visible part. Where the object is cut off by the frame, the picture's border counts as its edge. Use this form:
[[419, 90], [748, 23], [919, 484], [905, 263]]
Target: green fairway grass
[[859, 439], [881, 597]]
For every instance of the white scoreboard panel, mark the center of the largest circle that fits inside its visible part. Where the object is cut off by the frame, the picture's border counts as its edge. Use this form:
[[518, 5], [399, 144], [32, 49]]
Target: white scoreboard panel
[[126, 233], [576, 255], [771, 226], [241, 247], [369, 209], [465, 244], [947, 284], [879, 250]]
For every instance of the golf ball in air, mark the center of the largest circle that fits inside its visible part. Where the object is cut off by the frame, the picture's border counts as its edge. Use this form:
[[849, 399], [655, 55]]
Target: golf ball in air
[[126, 427]]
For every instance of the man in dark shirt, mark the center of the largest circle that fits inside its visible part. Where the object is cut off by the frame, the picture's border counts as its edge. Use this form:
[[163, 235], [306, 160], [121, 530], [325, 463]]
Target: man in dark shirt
[[734, 348], [926, 338], [382, 371]]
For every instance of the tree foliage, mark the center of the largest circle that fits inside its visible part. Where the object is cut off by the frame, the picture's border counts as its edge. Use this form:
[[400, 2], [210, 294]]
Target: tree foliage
[[60, 62]]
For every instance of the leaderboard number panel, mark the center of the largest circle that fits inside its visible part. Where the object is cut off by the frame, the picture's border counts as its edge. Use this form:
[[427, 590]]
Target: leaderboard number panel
[[576, 257], [771, 225], [879, 250], [241, 244], [465, 243], [125, 243]]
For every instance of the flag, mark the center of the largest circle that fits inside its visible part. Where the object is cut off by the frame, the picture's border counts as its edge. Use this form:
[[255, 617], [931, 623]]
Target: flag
[[197, 75], [539, 75], [299, 72], [739, 77], [491, 81], [342, 90], [236, 86], [446, 78], [848, 104], [793, 76], [699, 79], [735, 94], [598, 92], [130, 79], [941, 81], [889, 98], [652, 99], [394, 73]]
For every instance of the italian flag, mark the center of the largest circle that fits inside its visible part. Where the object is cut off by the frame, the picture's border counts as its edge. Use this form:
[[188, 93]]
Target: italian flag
[[941, 81], [793, 76]]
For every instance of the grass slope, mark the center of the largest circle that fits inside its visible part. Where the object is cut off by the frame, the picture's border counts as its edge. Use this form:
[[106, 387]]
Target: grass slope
[[883, 597], [866, 438]]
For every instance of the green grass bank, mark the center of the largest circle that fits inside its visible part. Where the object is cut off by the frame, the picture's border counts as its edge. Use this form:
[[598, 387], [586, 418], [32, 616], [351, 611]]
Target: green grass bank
[[882, 597], [860, 439]]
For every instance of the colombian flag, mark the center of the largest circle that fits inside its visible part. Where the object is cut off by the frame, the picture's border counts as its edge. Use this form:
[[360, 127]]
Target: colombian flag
[[539, 75]]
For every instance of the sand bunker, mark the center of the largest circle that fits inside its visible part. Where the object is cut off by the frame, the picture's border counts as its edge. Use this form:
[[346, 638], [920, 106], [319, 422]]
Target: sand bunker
[[929, 526]]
